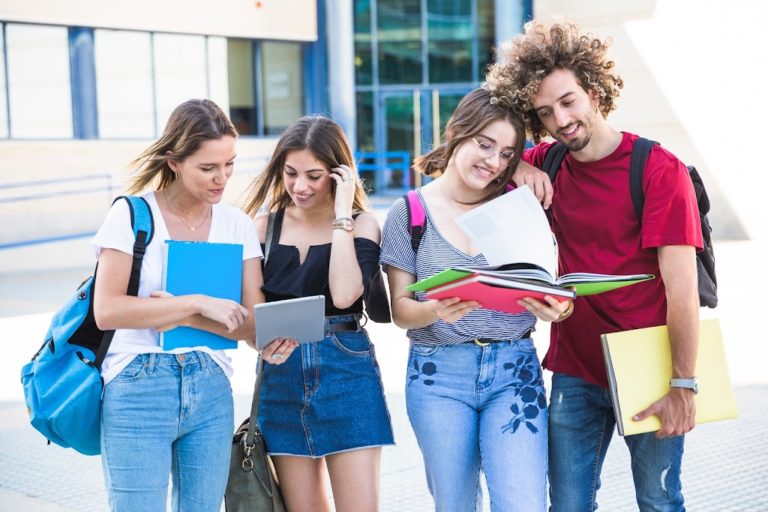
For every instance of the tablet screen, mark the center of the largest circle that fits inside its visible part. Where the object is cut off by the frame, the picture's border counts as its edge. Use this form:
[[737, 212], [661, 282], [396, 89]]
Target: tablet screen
[[302, 319]]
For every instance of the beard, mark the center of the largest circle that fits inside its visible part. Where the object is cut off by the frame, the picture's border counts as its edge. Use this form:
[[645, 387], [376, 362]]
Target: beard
[[580, 143]]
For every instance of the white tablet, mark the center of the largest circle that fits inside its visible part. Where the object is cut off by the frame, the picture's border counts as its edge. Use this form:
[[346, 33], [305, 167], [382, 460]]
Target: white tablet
[[302, 319]]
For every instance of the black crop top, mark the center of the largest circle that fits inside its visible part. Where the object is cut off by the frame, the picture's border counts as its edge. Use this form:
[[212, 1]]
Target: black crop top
[[285, 278]]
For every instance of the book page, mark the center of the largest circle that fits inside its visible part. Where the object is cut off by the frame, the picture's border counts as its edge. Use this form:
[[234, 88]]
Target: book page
[[512, 229]]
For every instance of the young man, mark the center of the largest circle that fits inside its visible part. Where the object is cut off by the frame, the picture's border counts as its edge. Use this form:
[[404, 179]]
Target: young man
[[561, 80]]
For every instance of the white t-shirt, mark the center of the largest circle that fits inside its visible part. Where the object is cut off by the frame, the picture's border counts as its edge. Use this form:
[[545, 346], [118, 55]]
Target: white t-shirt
[[228, 225]]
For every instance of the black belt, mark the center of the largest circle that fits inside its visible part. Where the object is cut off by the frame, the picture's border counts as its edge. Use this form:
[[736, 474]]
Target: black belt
[[486, 341], [350, 325]]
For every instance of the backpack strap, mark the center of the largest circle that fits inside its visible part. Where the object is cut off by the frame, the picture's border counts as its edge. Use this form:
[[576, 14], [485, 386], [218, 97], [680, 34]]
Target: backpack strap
[[554, 159], [417, 218], [640, 151], [143, 226]]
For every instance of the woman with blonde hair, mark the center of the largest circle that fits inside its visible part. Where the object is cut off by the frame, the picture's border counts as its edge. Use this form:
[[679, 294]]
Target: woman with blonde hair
[[170, 412], [324, 408]]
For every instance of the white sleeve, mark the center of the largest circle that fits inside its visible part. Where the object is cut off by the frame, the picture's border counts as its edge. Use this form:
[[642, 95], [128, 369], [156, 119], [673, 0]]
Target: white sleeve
[[115, 232], [251, 244]]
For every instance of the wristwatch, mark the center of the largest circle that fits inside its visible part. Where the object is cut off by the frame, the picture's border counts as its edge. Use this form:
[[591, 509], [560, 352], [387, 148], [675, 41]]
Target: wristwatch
[[692, 384], [345, 223]]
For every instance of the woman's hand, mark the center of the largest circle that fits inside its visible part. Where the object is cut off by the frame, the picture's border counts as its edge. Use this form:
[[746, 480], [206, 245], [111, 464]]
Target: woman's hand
[[453, 309], [346, 184], [550, 311], [227, 312], [279, 350]]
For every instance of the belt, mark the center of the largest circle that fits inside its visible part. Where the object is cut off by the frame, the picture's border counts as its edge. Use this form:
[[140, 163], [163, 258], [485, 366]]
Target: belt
[[349, 325], [482, 342]]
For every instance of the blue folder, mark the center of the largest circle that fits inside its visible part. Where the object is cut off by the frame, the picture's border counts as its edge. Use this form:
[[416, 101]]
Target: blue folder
[[211, 269]]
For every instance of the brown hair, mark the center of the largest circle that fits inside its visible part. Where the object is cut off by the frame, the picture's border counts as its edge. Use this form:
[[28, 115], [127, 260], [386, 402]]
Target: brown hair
[[325, 140], [474, 112], [540, 50], [190, 124]]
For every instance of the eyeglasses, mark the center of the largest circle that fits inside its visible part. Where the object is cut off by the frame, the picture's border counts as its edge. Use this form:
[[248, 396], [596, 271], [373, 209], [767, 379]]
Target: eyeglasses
[[488, 150]]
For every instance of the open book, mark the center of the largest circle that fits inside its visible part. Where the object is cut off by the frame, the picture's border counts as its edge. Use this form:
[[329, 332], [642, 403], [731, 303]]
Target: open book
[[523, 276], [513, 228], [499, 288]]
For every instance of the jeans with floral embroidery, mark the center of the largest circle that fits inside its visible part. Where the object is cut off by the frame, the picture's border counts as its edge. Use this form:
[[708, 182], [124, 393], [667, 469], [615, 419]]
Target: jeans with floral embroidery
[[480, 408]]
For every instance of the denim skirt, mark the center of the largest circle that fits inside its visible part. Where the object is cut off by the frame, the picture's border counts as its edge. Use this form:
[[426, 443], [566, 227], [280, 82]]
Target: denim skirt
[[326, 398]]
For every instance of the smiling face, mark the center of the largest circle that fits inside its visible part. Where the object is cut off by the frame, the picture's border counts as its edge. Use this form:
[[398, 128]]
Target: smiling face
[[481, 159], [307, 180], [204, 173], [567, 111]]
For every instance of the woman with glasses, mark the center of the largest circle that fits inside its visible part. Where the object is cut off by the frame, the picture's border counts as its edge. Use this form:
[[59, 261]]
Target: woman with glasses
[[474, 392]]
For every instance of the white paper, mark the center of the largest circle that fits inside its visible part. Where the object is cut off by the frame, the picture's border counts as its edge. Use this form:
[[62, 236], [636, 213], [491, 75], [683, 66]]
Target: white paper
[[512, 228]]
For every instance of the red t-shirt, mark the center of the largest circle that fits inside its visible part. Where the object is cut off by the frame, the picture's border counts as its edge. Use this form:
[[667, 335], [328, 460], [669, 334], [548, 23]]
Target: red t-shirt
[[598, 231]]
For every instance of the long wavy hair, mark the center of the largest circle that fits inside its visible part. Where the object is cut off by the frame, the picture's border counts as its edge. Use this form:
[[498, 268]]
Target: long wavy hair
[[541, 49], [190, 124], [474, 112], [328, 144]]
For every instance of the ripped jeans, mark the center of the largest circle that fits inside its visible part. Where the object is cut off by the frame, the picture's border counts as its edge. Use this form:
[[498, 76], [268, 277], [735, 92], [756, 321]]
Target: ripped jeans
[[581, 423], [480, 408]]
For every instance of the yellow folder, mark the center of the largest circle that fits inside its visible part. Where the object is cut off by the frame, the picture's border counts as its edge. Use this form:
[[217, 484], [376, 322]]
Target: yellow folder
[[639, 366]]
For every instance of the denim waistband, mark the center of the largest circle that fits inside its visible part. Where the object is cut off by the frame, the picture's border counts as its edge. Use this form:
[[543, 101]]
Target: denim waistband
[[338, 323], [193, 358]]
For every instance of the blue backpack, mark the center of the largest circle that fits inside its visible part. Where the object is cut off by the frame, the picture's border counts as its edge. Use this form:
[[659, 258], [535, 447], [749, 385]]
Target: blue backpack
[[62, 383]]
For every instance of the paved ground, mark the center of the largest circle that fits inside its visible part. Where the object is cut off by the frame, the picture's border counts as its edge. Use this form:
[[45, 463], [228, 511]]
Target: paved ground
[[725, 467]]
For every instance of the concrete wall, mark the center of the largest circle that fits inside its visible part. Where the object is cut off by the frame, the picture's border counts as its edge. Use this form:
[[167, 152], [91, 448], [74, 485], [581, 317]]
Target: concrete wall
[[276, 19], [693, 81]]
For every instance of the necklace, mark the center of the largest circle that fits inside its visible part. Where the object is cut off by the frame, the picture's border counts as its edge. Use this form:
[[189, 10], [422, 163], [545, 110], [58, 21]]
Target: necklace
[[191, 228]]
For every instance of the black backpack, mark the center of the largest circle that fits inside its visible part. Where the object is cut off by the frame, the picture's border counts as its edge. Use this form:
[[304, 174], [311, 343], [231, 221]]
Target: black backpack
[[705, 259]]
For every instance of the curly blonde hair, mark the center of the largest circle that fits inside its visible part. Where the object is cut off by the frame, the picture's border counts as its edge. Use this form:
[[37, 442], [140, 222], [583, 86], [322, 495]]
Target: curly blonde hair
[[541, 49]]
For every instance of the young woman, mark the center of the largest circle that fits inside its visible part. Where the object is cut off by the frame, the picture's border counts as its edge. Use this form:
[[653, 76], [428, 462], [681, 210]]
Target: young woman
[[325, 406], [171, 412], [474, 394]]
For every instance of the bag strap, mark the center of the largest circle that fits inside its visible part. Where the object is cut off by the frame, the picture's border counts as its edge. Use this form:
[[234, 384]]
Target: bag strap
[[250, 436], [554, 159], [640, 151], [143, 226], [269, 235], [417, 218]]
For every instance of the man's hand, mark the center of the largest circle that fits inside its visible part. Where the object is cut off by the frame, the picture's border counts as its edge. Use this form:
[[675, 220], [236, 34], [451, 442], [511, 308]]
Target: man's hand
[[537, 181], [676, 410]]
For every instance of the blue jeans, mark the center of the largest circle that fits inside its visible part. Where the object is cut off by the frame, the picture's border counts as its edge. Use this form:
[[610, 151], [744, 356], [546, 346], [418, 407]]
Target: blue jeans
[[581, 424], [476, 408], [167, 414]]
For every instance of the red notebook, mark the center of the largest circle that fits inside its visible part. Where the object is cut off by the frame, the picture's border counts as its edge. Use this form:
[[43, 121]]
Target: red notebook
[[498, 294]]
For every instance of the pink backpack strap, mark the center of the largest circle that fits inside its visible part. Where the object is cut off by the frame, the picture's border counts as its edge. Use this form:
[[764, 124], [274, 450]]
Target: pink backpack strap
[[417, 218]]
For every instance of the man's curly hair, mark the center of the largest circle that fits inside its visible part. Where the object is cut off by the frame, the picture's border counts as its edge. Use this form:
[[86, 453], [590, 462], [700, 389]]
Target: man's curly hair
[[541, 49]]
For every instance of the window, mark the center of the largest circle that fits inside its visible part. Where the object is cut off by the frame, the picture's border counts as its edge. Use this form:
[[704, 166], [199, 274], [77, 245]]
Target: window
[[3, 84], [363, 43], [399, 41], [218, 79], [180, 73], [124, 84], [242, 95], [449, 36], [39, 81], [282, 87]]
